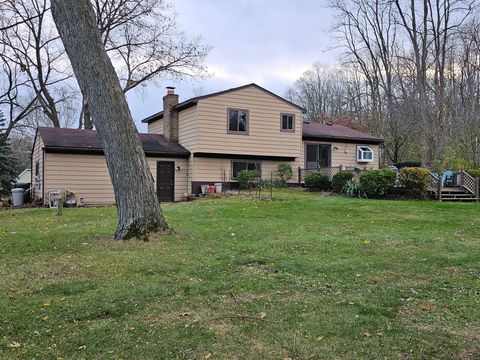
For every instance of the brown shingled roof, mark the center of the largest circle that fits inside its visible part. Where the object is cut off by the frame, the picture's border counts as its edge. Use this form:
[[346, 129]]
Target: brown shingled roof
[[336, 132], [87, 141]]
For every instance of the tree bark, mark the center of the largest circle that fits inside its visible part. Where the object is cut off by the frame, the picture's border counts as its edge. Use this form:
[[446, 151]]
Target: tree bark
[[139, 211]]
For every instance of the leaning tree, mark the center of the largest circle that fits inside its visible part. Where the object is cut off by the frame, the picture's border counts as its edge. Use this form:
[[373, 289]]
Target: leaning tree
[[139, 211]]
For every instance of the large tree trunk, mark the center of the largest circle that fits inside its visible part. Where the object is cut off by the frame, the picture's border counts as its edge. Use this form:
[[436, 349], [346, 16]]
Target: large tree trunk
[[138, 208]]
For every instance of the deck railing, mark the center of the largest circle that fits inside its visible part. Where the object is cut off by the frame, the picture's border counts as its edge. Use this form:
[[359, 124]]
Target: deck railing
[[435, 184], [469, 183]]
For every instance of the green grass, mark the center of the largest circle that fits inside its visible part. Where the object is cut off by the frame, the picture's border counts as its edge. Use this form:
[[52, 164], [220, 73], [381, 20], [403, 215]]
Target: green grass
[[327, 272]]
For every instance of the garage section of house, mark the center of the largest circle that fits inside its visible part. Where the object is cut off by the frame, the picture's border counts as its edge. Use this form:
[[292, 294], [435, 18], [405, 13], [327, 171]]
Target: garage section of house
[[71, 161]]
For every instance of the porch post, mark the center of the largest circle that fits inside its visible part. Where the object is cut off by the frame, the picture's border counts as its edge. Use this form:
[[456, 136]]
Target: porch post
[[477, 188], [299, 175], [439, 188]]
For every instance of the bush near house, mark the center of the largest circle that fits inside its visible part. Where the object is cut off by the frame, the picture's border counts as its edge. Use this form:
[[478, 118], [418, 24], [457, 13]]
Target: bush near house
[[246, 179], [276, 183], [340, 179], [377, 183], [285, 172], [474, 173], [317, 181], [416, 180], [412, 163]]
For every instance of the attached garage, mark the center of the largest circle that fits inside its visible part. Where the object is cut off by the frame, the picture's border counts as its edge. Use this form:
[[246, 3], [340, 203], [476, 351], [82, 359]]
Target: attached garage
[[72, 161]]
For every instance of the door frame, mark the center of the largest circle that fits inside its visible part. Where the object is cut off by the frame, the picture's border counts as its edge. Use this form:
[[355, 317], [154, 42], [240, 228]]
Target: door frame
[[317, 143], [173, 178]]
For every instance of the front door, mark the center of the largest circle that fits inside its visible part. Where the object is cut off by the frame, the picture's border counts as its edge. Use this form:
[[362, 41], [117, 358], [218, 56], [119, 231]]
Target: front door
[[165, 181]]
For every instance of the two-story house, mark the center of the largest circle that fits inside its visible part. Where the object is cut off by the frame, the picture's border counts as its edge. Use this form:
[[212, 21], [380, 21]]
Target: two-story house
[[203, 140]]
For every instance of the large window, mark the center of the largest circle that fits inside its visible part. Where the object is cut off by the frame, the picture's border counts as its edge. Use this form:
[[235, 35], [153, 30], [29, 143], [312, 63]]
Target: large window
[[238, 121], [239, 165], [317, 156], [287, 122], [364, 154]]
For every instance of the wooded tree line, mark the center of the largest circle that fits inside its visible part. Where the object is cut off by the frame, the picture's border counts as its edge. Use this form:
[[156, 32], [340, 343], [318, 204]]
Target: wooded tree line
[[37, 84], [410, 73]]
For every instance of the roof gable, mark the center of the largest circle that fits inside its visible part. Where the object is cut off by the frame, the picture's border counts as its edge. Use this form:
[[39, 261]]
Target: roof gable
[[194, 101]]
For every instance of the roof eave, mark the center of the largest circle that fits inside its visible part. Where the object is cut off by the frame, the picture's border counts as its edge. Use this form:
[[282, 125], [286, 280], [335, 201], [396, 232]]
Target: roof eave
[[342, 139]]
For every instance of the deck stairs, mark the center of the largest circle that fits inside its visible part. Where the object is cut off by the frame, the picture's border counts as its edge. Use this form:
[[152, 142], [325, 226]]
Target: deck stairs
[[466, 188], [456, 194]]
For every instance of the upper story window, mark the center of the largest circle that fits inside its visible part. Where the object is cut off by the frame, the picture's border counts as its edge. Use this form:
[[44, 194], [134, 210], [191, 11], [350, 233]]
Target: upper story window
[[287, 122], [364, 154], [238, 121]]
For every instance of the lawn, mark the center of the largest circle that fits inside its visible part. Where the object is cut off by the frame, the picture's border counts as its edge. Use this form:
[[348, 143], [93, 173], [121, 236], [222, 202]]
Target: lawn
[[302, 277]]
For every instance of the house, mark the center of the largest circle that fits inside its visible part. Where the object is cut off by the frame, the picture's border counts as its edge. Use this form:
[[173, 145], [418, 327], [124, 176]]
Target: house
[[203, 140], [24, 177]]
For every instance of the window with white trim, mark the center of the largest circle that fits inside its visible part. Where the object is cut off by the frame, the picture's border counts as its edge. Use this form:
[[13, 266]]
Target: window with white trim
[[364, 154]]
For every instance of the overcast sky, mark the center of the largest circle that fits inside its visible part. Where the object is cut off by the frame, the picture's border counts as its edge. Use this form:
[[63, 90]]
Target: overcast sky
[[268, 42]]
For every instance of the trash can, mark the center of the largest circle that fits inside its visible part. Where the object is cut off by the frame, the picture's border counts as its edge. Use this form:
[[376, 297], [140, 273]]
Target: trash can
[[17, 197], [218, 188]]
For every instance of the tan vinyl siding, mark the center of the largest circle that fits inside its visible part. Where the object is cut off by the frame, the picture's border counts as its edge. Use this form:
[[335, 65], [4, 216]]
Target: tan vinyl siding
[[264, 135], [37, 155], [213, 170], [187, 128], [346, 155], [87, 176], [156, 127]]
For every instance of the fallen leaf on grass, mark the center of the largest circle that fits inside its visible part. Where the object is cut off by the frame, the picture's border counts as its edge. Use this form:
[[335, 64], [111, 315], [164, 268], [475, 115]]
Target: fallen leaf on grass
[[45, 318], [14, 345], [367, 241], [207, 356], [263, 315], [319, 338], [367, 334]]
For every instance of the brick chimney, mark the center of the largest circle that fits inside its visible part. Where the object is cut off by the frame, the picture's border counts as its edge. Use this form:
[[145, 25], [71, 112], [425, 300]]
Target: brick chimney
[[170, 115]]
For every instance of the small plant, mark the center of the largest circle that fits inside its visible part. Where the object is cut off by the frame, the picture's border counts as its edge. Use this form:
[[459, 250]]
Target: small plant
[[276, 183], [246, 179], [352, 189], [317, 181], [377, 183], [416, 180], [285, 172], [340, 179]]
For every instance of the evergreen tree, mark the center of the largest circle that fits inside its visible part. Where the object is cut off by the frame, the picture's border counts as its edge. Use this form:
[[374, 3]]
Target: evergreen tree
[[8, 164]]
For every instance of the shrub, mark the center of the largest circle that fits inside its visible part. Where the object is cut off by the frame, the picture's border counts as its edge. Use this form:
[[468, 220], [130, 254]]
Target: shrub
[[285, 172], [317, 181], [474, 173], [352, 189], [377, 183], [416, 180], [340, 179], [276, 183], [246, 179], [413, 163]]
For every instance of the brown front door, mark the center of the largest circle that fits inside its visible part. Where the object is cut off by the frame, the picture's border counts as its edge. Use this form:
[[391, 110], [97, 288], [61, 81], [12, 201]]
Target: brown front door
[[165, 181]]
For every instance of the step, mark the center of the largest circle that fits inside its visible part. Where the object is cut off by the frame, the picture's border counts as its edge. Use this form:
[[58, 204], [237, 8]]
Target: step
[[470, 199], [462, 195]]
